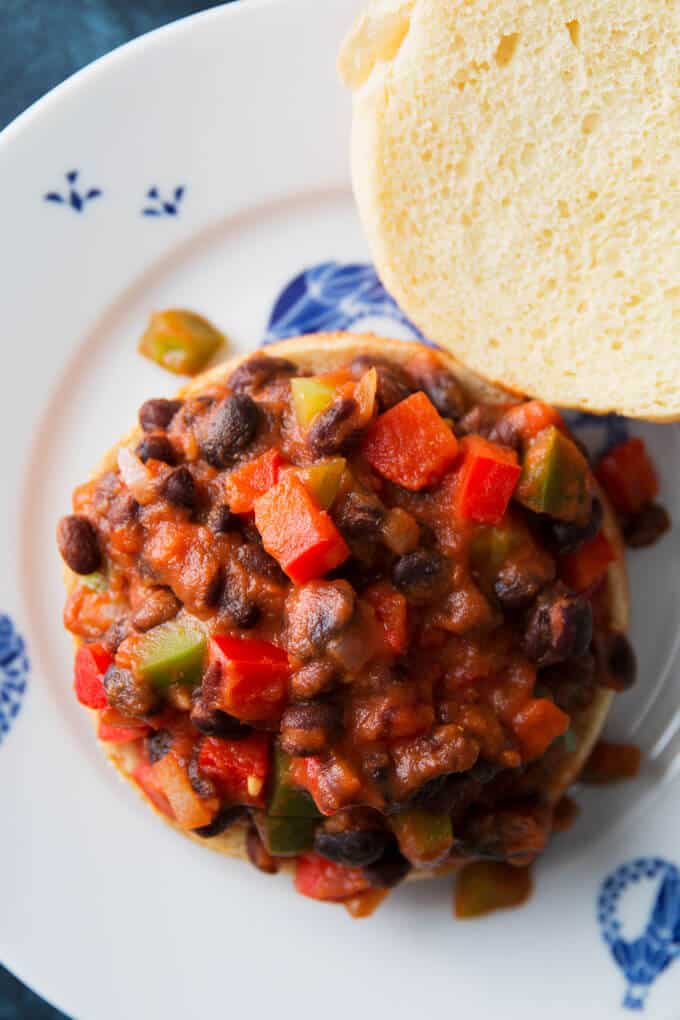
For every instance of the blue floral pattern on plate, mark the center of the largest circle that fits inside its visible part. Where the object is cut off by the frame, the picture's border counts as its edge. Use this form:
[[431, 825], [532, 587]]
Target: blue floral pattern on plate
[[73, 196], [14, 668], [333, 296], [642, 959], [349, 296], [157, 205]]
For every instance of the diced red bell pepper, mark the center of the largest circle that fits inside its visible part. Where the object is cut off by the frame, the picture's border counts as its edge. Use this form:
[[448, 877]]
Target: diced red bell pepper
[[119, 729], [91, 663], [190, 810], [250, 481], [530, 418], [537, 724], [301, 537], [486, 480], [365, 903], [628, 476], [609, 763], [238, 768], [589, 564], [254, 676], [144, 777], [411, 444], [321, 879], [390, 607]]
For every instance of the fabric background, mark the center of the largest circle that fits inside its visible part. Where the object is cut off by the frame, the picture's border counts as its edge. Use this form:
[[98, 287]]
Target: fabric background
[[41, 43]]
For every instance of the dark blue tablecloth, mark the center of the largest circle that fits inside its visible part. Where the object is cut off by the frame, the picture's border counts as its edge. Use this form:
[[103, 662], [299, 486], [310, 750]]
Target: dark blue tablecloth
[[41, 43]]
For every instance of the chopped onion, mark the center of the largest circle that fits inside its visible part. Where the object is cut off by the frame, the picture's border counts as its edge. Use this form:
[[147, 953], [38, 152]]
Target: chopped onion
[[136, 476], [364, 394]]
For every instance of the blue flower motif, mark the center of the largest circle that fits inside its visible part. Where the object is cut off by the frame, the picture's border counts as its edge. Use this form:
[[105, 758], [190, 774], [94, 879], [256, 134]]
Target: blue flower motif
[[160, 206], [642, 959], [73, 197], [14, 668], [338, 296], [333, 296]]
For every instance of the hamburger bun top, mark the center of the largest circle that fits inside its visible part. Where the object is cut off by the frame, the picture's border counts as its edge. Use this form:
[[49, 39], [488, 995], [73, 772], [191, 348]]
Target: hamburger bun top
[[516, 166]]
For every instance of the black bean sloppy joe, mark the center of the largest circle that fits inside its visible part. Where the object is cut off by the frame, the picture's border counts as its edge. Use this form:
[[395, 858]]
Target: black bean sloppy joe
[[349, 619]]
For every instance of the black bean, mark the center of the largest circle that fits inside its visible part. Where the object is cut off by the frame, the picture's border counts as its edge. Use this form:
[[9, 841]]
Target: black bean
[[128, 693], [211, 588], [231, 430], [216, 723], [206, 716], [507, 433], [518, 584], [388, 870], [158, 413], [567, 537], [308, 727], [222, 821], [572, 684], [236, 600], [359, 515], [331, 430], [444, 391], [79, 544], [258, 853], [200, 784], [354, 847], [617, 660], [421, 575], [310, 716], [123, 510], [179, 488], [257, 370], [559, 627], [156, 446], [312, 679], [315, 612], [394, 384], [448, 793], [116, 634], [647, 527], [157, 745], [376, 766], [479, 420], [244, 613], [515, 833], [256, 560], [159, 606], [221, 520]]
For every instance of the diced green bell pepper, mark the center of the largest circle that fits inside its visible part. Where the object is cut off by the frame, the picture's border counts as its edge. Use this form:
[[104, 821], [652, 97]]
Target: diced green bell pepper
[[323, 480], [95, 582], [172, 653], [424, 837], [491, 546], [310, 397], [287, 837], [180, 341], [555, 478], [292, 816]]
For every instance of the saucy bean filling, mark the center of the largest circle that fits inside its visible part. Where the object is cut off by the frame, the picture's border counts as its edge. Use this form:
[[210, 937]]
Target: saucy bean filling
[[354, 610]]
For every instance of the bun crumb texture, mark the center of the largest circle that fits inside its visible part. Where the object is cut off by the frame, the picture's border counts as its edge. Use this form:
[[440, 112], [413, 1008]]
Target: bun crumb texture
[[517, 170]]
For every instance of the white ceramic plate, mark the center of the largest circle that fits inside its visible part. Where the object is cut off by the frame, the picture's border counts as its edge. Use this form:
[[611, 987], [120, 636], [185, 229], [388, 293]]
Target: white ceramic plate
[[206, 165]]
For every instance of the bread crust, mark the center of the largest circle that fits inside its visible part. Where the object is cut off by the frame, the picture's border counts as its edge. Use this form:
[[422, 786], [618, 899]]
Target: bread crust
[[322, 352]]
